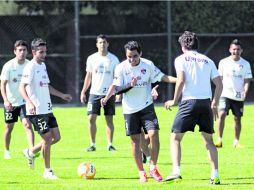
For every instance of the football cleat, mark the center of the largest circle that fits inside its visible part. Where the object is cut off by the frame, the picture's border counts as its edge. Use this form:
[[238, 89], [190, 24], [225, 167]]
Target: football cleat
[[91, 149], [7, 155], [174, 178], [156, 175], [111, 148], [218, 144], [49, 175], [215, 181], [143, 177], [29, 157]]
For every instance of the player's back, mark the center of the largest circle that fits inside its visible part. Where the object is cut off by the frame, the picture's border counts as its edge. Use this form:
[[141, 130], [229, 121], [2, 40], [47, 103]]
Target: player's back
[[198, 71]]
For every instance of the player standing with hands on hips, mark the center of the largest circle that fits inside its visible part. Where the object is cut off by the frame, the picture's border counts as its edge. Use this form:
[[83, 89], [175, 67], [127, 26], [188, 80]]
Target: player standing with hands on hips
[[194, 74], [36, 90]]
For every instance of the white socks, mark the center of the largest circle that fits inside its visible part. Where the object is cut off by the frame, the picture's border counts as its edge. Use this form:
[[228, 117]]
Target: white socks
[[214, 173]]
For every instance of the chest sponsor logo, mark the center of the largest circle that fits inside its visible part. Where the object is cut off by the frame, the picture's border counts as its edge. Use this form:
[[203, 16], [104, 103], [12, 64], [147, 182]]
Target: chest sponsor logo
[[143, 71]]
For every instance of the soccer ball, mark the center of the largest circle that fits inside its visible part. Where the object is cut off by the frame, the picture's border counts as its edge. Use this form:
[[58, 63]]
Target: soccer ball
[[86, 170]]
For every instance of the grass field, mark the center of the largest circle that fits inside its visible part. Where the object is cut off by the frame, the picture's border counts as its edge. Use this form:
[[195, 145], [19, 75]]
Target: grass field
[[117, 170]]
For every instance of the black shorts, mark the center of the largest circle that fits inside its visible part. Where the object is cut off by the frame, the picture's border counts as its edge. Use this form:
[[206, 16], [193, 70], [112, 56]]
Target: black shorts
[[12, 116], [192, 113], [145, 118], [236, 106], [42, 123], [94, 105]]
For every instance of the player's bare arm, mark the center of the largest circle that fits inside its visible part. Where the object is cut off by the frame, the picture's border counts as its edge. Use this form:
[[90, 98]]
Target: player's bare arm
[[23, 93], [87, 82], [246, 88], [53, 91], [168, 79], [178, 90], [218, 89], [7, 104]]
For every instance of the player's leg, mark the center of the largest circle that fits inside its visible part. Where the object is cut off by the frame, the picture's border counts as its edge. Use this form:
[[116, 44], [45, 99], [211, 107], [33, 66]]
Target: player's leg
[[150, 124], [92, 129], [221, 125], [237, 109], [144, 145], [29, 131], [27, 126], [224, 106], [93, 109], [213, 157], [237, 129], [135, 144], [110, 132], [10, 118], [109, 111], [7, 139]]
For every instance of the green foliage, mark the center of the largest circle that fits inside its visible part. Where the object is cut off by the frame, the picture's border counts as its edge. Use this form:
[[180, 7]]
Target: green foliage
[[117, 170]]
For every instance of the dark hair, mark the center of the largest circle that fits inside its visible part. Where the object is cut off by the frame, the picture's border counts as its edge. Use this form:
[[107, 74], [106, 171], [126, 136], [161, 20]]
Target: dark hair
[[102, 36], [188, 40], [236, 42], [133, 45], [20, 43], [37, 42]]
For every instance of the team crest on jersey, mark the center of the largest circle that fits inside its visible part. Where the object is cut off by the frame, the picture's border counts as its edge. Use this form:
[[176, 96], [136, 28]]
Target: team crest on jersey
[[15, 80], [143, 71]]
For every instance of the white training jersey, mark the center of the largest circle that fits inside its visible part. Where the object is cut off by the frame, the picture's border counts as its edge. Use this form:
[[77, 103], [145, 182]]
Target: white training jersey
[[198, 70], [36, 76], [12, 73], [102, 69], [138, 97], [234, 73]]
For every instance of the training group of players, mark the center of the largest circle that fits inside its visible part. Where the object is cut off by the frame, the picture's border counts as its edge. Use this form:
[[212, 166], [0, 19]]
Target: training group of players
[[26, 89]]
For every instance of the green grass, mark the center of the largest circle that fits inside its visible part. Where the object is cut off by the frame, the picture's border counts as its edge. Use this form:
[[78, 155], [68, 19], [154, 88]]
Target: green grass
[[117, 170]]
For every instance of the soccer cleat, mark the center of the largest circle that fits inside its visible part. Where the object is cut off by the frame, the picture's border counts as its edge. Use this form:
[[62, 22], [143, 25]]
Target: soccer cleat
[[218, 144], [7, 155], [144, 158], [215, 181], [49, 175], [91, 149], [174, 178], [29, 157], [156, 175], [143, 177], [111, 148], [237, 145]]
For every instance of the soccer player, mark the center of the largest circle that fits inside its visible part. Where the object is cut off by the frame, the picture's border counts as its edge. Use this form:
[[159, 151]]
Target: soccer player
[[14, 105], [36, 90], [134, 76], [194, 74], [100, 68], [236, 74]]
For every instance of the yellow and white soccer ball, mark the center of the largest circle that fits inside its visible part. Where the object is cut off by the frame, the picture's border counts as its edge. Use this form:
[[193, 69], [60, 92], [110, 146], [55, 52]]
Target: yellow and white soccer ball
[[86, 170]]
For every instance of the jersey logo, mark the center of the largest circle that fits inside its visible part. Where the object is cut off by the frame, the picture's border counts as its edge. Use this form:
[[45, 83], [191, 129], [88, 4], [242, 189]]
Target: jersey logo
[[143, 71]]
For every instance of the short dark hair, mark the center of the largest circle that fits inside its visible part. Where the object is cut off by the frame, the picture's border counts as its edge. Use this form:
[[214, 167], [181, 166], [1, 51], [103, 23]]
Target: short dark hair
[[133, 45], [102, 36], [188, 40], [236, 42], [37, 42], [20, 43]]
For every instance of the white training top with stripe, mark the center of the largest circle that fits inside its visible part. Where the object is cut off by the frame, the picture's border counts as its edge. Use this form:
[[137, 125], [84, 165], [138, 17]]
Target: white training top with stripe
[[102, 69], [198, 70], [234, 73], [139, 97], [36, 76], [12, 73]]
